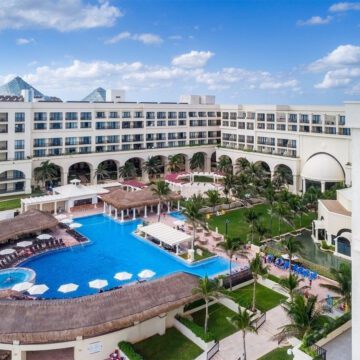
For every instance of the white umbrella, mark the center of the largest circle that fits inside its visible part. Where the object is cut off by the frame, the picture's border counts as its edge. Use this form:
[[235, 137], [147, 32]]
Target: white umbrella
[[7, 251], [75, 225], [286, 257], [179, 223], [44, 237], [24, 244], [67, 221], [146, 274], [38, 289], [22, 286], [61, 216], [98, 284], [66, 288], [123, 276]]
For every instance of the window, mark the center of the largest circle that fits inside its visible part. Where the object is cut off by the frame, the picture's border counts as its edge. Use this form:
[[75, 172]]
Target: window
[[55, 142], [85, 125], [138, 114], [70, 141], [150, 115], [3, 117], [182, 115], [100, 115], [39, 153], [71, 116], [40, 116], [19, 155], [19, 117], [19, 128], [85, 116], [126, 115], [161, 115], [40, 126], [56, 116], [71, 125], [55, 125], [39, 142], [19, 144]]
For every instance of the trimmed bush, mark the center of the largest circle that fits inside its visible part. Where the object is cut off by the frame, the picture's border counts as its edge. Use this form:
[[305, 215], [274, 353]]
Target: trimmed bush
[[129, 351], [196, 329]]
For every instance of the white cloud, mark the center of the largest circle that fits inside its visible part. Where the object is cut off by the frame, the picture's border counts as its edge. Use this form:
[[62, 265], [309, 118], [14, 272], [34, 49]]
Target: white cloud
[[315, 20], [61, 15], [344, 6], [175, 37], [275, 85], [24, 41], [193, 59], [343, 55], [145, 38], [338, 78]]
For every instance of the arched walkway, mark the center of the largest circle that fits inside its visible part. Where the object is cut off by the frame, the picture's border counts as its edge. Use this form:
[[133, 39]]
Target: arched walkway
[[136, 163], [213, 163], [198, 162], [225, 165], [283, 174], [107, 169], [178, 163], [265, 167], [82, 171], [12, 181], [343, 246]]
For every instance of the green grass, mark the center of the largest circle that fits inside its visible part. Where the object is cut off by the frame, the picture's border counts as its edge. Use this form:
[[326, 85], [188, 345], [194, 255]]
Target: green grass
[[198, 178], [171, 346], [238, 227], [218, 323], [9, 204], [266, 298], [278, 354]]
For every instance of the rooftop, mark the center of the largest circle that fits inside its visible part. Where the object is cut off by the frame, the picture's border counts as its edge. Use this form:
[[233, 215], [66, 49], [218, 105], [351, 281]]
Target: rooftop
[[335, 207]]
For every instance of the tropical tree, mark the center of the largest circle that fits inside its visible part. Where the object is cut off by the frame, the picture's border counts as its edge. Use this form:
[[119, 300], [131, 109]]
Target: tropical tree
[[102, 172], [175, 163], [251, 217], [241, 165], [213, 198], [152, 166], [291, 245], [46, 172], [128, 170], [256, 174], [343, 286], [260, 229], [242, 187], [243, 321], [208, 289], [232, 246], [229, 183], [305, 317], [224, 165], [292, 284], [311, 196], [197, 161], [257, 269], [192, 211], [282, 176], [283, 214], [161, 190], [270, 196]]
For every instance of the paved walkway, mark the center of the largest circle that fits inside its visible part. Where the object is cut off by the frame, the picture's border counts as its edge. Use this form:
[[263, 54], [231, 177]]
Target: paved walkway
[[257, 345]]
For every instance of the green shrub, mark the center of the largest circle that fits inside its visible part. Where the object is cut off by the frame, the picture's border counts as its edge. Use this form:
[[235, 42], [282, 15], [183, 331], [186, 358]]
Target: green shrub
[[196, 329], [273, 278], [194, 304], [129, 351]]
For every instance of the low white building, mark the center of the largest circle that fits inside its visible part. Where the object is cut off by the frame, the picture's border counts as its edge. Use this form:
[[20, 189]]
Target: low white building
[[334, 222]]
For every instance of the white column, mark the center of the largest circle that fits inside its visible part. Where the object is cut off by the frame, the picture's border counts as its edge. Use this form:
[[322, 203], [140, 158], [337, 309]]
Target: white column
[[158, 209], [168, 207], [104, 209], [122, 215], [55, 207], [322, 186], [41, 206], [116, 214], [304, 186], [134, 213], [110, 209], [64, 178], [295, 184], [145, 212], [178, 205], [151, 209], [177, 249]]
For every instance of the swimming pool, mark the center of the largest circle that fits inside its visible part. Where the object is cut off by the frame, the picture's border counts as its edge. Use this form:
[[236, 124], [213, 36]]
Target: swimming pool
[[178, 215], [113, 249], [13, 276]]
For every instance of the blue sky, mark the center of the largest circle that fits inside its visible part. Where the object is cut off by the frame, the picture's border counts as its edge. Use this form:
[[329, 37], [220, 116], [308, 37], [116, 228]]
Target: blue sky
[[249, 51]]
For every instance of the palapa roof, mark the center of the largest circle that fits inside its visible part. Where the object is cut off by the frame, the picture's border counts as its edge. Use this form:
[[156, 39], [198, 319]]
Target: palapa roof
[[47, 321], [122, 199], [28, 222]]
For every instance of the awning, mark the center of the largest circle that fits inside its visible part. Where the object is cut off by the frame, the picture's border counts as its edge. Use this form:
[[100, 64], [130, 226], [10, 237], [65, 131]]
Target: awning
[[165, 234]]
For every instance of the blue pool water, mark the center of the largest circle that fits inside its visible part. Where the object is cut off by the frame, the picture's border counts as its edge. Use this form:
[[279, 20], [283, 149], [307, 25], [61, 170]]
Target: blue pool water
[[112, 249], [13, 276], [178, 215]]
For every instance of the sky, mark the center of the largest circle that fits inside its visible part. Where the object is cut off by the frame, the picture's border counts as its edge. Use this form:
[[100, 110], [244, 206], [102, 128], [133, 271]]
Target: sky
[[241, 51]]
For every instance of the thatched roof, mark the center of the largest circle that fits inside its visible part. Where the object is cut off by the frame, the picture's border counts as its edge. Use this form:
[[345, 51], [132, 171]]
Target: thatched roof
[[121, 199], [45, 321], [26, 223]]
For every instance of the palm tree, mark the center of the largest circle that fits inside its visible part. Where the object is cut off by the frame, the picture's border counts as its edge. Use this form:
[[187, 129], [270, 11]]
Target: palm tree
[[251, 216], [282, 212], [243, 321], [161, 190], [175, 163], [305, 318], [232, 246], [257, 269], [101, 172], [242, 164], [46, 172], [197, 161], [224, 165], [192, 211], [291, 283], [208, 289], [152, 166], [343, 287], [260, 229], [291, 245], [282, 176], [213, 198], [128, 170], [229, 183], [312, 195]]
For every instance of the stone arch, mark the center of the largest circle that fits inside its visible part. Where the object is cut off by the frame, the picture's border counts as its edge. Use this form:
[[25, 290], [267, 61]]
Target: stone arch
[[225, 164], [287, 169], [213, 161], [81, 170], [180, 166], [12, 181], [241, 163], [198, 161], [111, 166], [138, 163], [265, 166], [343, 245]]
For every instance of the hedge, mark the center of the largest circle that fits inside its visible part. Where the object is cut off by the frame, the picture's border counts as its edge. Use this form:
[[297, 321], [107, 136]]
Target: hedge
[[129, 351], [196, 329]]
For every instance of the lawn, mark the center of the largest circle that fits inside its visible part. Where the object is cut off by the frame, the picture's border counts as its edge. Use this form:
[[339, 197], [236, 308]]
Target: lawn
[[218, 324], [238, 227], [171, 346], [9, 204], [277, 354], [266, 298], [198, 178]]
